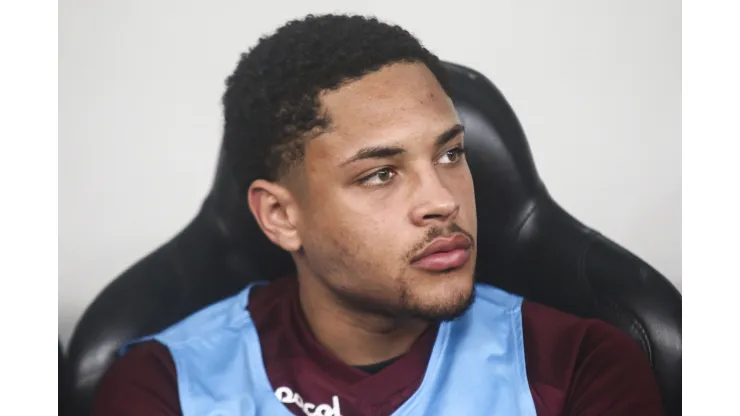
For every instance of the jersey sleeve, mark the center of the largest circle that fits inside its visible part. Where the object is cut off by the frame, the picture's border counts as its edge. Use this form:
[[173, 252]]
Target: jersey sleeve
[[612, 377], [141, 382], [585, 367]]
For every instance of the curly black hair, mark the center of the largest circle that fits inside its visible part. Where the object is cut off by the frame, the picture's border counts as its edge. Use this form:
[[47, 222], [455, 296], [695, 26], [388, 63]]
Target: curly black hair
[[271, 103]]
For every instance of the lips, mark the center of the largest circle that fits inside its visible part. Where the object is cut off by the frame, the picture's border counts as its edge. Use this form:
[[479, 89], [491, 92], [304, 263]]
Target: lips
[[444, 254]]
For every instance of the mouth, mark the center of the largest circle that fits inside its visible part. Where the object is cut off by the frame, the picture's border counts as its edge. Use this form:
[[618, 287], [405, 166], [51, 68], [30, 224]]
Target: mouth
[[444, 253]]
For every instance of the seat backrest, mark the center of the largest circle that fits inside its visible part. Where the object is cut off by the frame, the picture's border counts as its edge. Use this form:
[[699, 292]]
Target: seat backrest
[[63, 380], [527, 244]]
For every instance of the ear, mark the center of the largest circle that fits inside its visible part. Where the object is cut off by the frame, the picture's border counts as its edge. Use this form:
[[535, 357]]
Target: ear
[[276, 212]]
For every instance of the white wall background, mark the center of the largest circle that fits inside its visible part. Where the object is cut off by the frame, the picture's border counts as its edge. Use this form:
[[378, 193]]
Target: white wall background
[[596, 84]]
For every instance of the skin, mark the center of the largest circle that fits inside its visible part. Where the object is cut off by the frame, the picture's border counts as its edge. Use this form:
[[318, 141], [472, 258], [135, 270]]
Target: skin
[[353, 225]]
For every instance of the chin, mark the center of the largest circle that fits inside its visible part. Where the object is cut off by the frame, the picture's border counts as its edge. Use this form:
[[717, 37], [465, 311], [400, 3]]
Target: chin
[[443, 300]]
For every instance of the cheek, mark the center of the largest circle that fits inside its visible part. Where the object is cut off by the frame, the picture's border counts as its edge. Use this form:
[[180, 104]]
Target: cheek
[[366, 238], [468, 199], [464, 192], [360, 233]]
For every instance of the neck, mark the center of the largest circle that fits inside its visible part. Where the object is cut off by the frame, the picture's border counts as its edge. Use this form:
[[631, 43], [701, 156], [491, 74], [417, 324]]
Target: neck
[[355, 337]]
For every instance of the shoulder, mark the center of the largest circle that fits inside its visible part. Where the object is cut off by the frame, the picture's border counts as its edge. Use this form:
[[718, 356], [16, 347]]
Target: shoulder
[[211, 323], [143, 381], [251, 306], [586, 366], [547, 329], [144, 378]]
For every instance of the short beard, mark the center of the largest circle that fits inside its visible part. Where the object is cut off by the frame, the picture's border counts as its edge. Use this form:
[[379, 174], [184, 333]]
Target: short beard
[[405, 310], [442, 313]]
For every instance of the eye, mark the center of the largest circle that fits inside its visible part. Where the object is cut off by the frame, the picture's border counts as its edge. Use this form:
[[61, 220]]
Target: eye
[[379, 177], [452, 156]]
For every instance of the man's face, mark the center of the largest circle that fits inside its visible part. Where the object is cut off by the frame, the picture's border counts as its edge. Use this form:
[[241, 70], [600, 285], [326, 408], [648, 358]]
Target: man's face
[[387, 181]]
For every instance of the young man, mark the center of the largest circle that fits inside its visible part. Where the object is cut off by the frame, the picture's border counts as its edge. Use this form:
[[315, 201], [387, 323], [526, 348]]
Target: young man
[[352, 159]]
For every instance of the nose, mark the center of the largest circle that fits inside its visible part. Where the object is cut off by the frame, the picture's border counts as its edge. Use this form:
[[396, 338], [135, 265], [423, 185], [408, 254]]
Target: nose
[[436, 205]]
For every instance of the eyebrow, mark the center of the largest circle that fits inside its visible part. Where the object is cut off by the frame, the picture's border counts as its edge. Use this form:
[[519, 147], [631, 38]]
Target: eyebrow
[[382, 152]]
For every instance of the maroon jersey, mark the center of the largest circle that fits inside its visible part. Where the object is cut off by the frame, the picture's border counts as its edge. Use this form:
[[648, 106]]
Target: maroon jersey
[[574, 367]]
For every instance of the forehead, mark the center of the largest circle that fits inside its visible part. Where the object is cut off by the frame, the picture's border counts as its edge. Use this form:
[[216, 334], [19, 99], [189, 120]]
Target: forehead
[[396, 105]]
